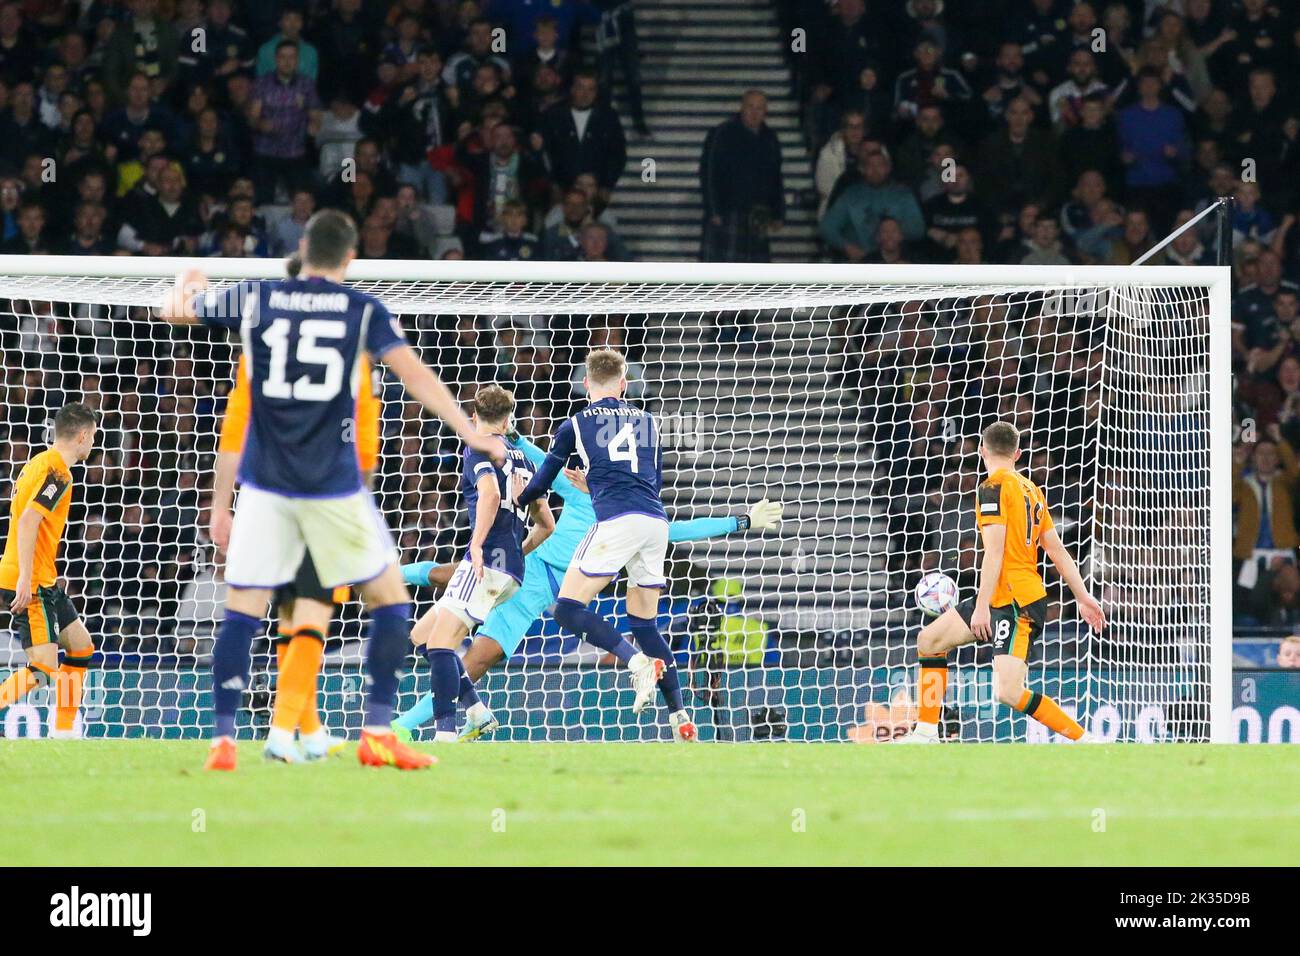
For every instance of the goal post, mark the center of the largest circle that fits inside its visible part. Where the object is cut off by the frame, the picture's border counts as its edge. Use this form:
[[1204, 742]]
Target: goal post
[[853, 394]]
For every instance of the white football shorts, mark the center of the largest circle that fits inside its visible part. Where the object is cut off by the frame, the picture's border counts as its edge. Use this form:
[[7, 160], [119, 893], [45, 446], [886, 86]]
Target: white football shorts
[[471, 599], [347, 538], [635, 542]]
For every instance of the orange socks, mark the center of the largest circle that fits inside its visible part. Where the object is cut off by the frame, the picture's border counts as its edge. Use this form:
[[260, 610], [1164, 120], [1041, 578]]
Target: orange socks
[[931, 688], [295, 691], [1048, 713], [68, 684], [20, 683]]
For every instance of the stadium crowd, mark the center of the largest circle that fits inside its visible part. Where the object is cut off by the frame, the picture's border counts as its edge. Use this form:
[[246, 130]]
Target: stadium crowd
[[1012, 131]]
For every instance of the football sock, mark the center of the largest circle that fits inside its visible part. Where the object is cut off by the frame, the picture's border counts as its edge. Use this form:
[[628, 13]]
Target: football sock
[[931, 687], [230, 661], [296, 686], [1046, 711], [646, 632], [309, 721], [467, 692], [68, 685], [22, 682], [592, 628], [446, 685], [390, 636], [282, 639]]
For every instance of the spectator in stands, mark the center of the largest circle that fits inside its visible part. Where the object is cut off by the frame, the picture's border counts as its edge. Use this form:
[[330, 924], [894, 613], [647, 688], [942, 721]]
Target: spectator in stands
[[226, 47], [1008, 82], [1093, 145], [1135, 240], [1288, 653], [929, 83], [458, 74], [505, 174], [285, 110], [1275, 600], [24, 133], [418, 122], [584, 136], [744, 191], [851, 223], [1187, 249], [512, 242], [1018, 163], [268, 54], [1263, 497], [835, 156], [915, 151], [595, 244], [1065, 104], [954, 210], [142, 44], [890, 245], [1153, 140], [285, 235], [348, 47], [1045, 247], [89, 237], [30, 238]]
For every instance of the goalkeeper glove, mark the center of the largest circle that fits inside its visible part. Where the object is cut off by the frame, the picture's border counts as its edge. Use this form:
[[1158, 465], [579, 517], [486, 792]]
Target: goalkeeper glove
[[764, 516]]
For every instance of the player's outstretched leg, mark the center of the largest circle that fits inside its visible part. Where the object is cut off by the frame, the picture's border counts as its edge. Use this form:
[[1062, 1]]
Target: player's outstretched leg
[[936, 639], [646, 633], [33, 676], [483, 654], [579, 620], [1009, 685], [230, 664]]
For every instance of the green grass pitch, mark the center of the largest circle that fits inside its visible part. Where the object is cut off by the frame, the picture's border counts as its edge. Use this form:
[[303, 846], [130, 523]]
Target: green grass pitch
[[134, 802]]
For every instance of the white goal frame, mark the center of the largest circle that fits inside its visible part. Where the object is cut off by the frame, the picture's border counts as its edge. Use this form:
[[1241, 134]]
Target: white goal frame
[[512, 275]]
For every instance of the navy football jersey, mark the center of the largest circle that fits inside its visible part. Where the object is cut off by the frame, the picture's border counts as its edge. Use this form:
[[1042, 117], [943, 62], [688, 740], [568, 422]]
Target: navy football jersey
[[303, 340], [619, 447], [503, 548]]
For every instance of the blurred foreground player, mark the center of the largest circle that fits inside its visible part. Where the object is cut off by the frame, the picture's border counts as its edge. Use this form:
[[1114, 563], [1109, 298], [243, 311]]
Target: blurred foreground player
[[302, 493]]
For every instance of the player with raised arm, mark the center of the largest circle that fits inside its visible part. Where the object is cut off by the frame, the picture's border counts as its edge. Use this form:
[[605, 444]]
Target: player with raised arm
[[304, 339], [619, 447], [504, 630], [493, 566], [1011, 607], [304, 608], [43, 615]]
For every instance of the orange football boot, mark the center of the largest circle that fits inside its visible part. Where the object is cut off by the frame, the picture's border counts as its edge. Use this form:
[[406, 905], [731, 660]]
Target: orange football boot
[[385, 750], [221, 755]]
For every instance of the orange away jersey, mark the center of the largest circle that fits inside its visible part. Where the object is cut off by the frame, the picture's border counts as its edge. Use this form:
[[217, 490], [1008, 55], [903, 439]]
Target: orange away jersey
[[1008, 498], [45, 483], [239, 406]]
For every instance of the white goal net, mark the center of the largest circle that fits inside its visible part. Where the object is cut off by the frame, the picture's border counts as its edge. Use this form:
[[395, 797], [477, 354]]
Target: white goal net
[[855, 397]]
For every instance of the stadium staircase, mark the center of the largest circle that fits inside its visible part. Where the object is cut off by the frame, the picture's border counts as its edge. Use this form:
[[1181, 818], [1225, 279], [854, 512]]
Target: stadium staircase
[[697, 58], [748, 417]]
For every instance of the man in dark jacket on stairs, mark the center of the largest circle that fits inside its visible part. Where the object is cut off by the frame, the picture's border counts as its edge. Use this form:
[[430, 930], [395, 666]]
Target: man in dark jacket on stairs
[[583, 136], [744, 193]]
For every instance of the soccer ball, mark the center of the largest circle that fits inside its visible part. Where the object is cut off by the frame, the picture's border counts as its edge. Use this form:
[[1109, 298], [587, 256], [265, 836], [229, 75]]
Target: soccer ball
[[935, 593]]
